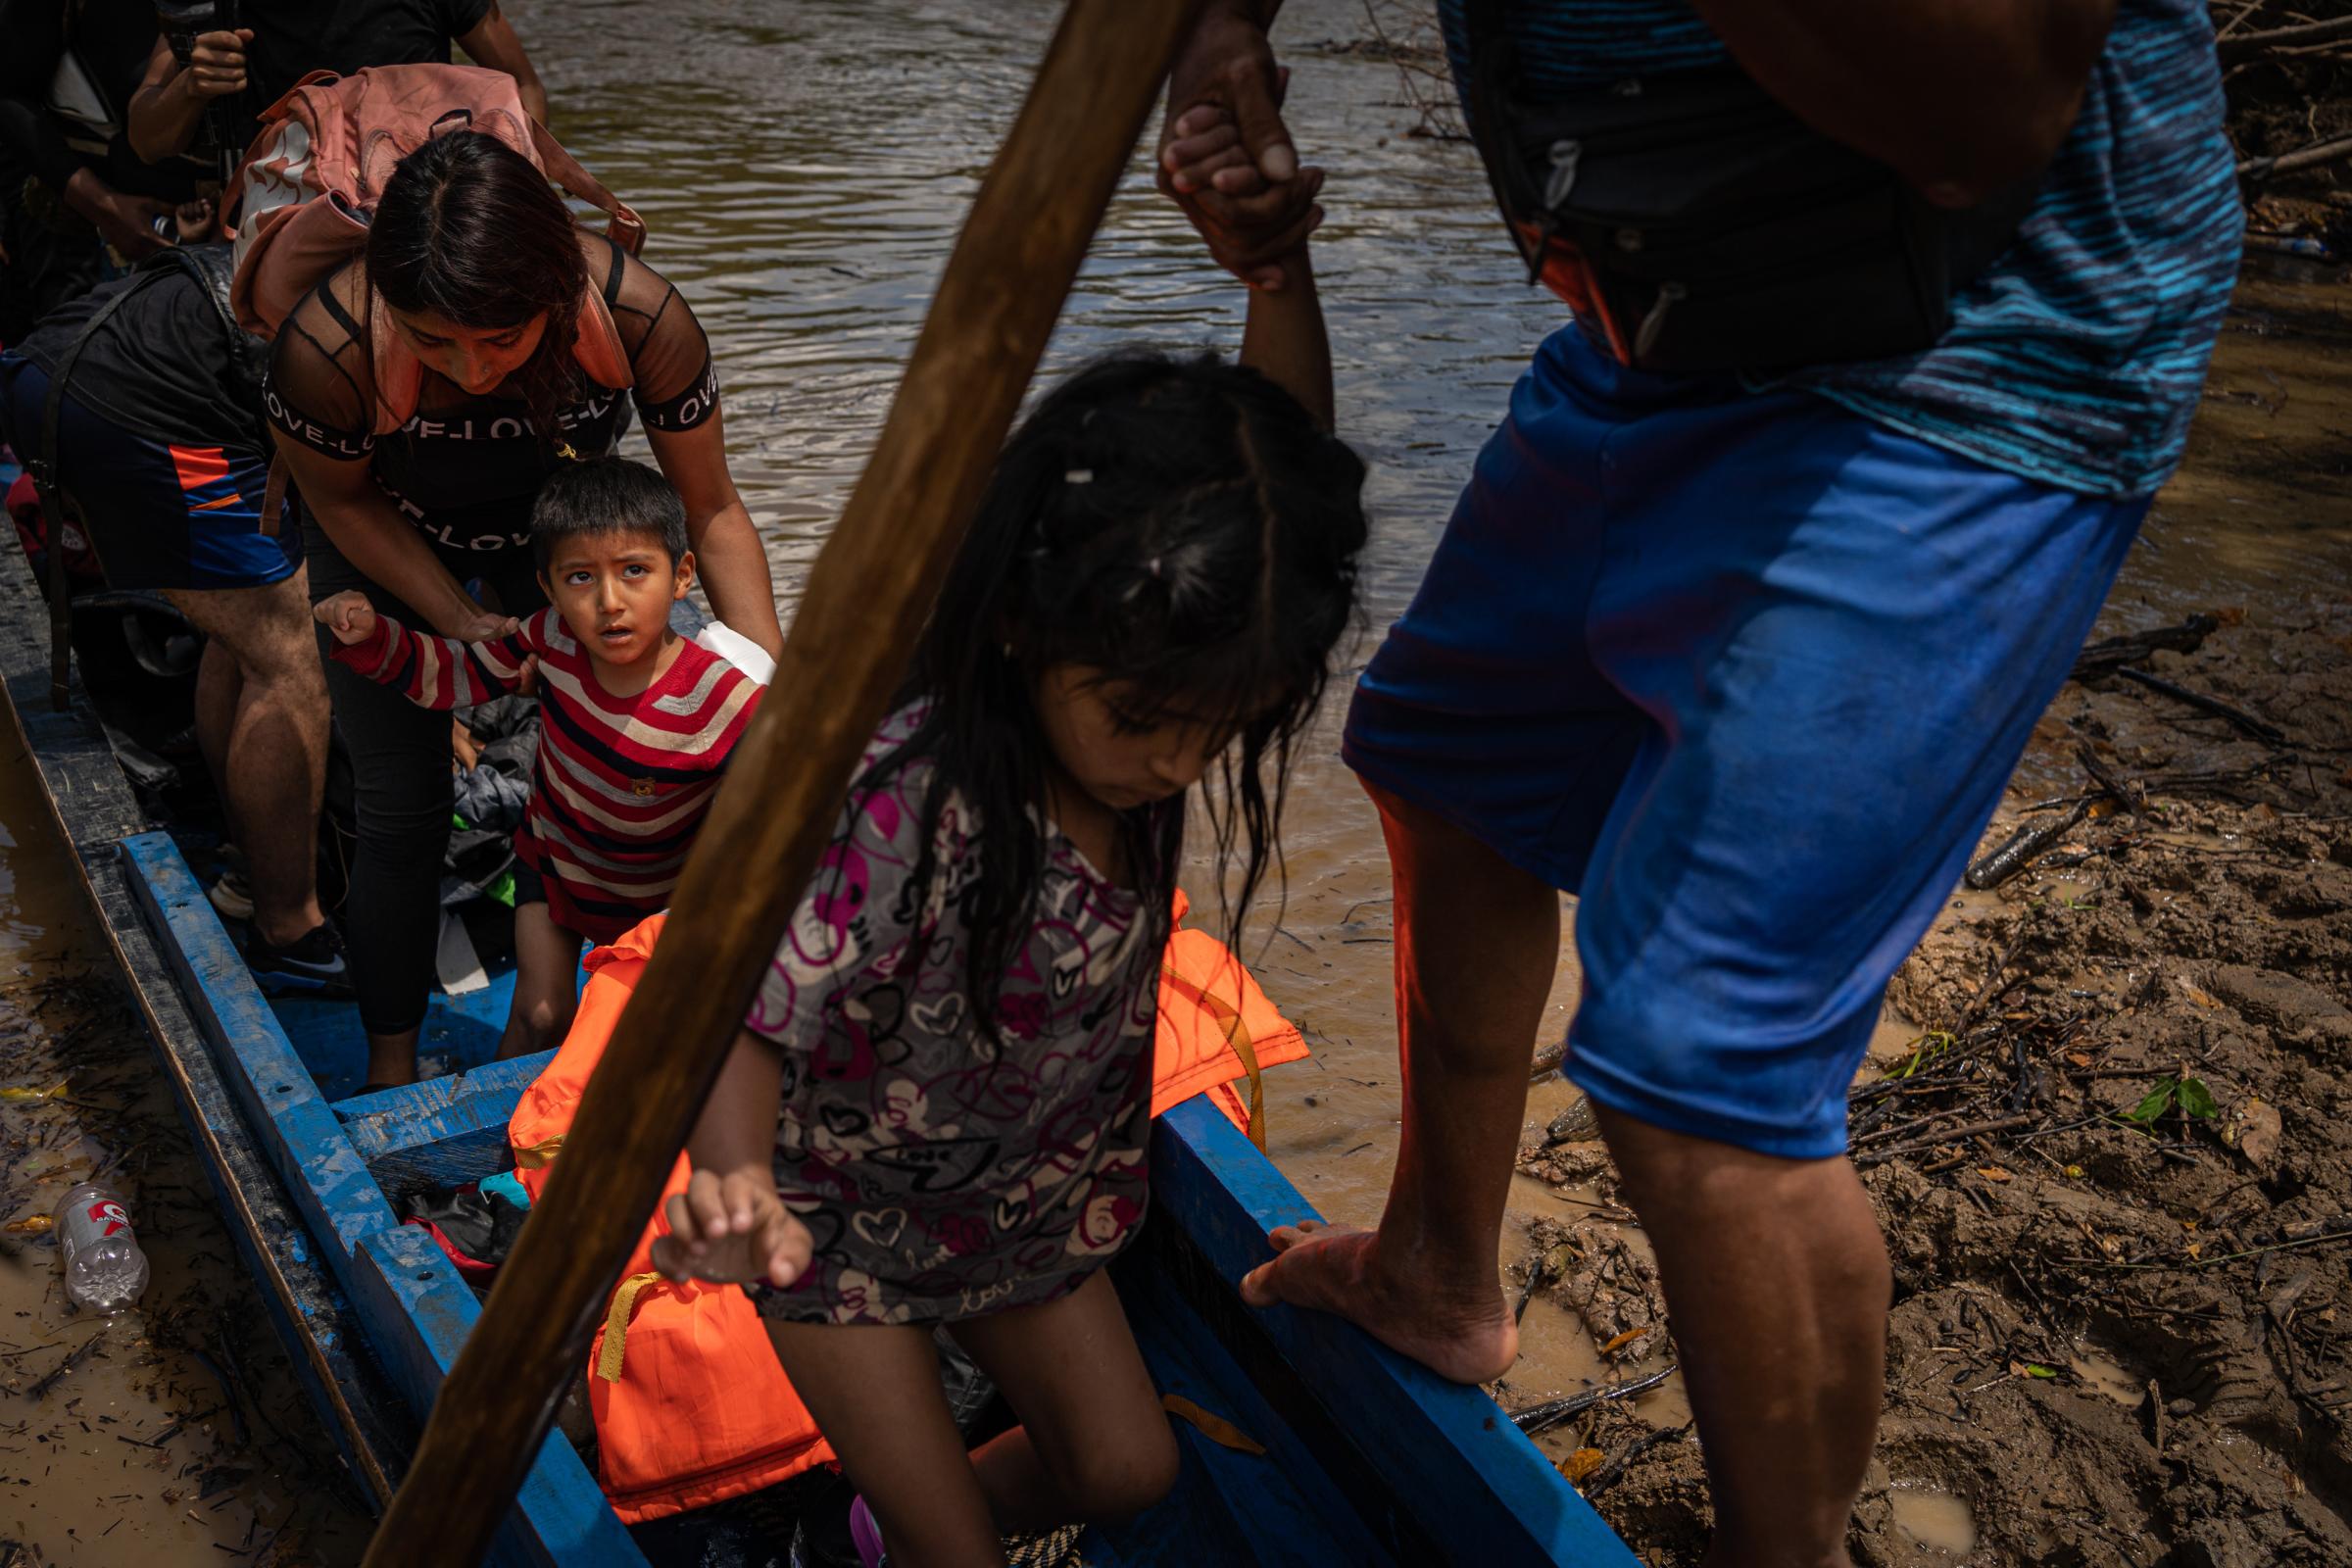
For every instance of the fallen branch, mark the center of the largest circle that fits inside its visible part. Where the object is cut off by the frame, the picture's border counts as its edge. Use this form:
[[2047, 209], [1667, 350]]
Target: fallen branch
[[2100, 659], [1547, 1060], [1539, 1275], [2267, 733], [1537, 1418], [2000, 1124], [1609, 1474], [2224, 1257], [2022, 848], [2128, 793], [2213, 783], [74, 1358], [2251, 43], [2312, 157]]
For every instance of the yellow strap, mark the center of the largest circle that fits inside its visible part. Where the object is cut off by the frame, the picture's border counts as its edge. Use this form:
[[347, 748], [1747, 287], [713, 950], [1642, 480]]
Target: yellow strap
[[1244, 1045], [1216, 1428], [532, 1156], [616, 1324]]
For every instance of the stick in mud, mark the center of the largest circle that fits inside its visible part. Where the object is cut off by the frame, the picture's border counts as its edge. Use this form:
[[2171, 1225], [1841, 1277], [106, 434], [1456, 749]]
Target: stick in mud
[[2267, 733], [2022, 848], [1612, 1472], [2100, 659], [74, 1358], [2000, 1124], [1539, 1417]]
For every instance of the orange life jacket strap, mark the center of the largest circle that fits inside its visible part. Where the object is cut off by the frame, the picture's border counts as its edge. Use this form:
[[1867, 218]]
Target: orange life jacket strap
[[535, 1157], [1244, 1045], [1216, 1428], [616, 1324]]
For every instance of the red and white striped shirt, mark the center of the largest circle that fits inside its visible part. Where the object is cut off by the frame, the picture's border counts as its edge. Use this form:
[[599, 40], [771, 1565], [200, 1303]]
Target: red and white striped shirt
[[620, 784]]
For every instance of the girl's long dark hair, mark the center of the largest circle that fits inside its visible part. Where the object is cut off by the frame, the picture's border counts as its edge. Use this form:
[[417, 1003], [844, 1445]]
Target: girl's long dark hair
[[469, 229], [1181, 526]]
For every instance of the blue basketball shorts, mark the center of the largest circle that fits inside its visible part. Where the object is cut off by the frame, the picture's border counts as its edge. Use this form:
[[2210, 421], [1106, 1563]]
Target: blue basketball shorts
[[1747, 674]]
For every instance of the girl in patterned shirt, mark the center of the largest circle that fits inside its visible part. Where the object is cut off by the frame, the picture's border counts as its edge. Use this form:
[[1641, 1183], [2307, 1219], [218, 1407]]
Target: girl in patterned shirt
[[938, 1108]]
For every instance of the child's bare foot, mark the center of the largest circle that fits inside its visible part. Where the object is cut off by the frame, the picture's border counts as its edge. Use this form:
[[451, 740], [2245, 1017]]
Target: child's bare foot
[[1465, 1335]]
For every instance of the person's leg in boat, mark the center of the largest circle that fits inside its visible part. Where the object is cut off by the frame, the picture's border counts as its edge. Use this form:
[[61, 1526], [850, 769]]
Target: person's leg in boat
[[184, 521], [547, 974], [1829, 678], [218, 685], [271, 765], [1491, 746], [401, 791], [1094, 1441], [1477, 942], [875, 1392]]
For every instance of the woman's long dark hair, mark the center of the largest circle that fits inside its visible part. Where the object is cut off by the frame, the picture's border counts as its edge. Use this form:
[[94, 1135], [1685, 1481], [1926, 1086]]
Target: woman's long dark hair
[[469, 230], [1186, 530]]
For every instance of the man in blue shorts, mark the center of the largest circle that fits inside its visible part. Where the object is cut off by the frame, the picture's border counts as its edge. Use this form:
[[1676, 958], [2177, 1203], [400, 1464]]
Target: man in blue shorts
[[158, 441], [1744, 664]]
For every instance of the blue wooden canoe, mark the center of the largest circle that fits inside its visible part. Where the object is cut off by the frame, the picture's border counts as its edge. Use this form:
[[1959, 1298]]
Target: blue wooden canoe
[[1369, 1458]]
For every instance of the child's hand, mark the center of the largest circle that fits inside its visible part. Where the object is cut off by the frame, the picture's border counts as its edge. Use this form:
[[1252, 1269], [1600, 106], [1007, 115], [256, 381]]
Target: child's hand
[[1250, 224], [348, 615], [732, 1229]]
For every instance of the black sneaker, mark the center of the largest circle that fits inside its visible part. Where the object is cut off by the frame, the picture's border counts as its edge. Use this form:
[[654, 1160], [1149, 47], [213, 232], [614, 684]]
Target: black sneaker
[[311, 965]]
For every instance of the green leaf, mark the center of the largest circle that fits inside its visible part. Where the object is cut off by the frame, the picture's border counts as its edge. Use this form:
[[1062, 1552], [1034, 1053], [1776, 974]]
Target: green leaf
[[2159, 1100], [2035, 1369], [2196, 1099]]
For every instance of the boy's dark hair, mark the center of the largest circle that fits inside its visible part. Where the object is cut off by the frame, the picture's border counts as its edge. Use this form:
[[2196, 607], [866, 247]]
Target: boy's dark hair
[[607, 495], [1184, 527]]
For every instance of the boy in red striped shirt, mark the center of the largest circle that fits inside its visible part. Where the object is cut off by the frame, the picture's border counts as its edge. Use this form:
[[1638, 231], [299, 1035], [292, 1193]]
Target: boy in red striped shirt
[[636, 720]]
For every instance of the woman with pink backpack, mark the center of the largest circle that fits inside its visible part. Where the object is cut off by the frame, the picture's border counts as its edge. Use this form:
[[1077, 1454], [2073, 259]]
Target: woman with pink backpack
[[472, 339]]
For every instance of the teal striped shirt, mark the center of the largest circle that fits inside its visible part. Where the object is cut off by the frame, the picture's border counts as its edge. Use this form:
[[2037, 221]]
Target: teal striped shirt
[[2076, 361]]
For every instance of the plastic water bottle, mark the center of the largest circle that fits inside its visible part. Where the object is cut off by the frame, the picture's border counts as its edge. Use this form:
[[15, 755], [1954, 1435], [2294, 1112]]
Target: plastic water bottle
[[104, 1270]]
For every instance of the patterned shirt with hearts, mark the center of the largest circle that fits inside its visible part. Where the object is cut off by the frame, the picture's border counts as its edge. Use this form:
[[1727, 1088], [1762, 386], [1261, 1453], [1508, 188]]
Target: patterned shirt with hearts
[[943, 1177]]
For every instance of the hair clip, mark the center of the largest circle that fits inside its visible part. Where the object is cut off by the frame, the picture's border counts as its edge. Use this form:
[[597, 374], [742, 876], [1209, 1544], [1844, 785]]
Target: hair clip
[[1079, 476], [1152, 566]]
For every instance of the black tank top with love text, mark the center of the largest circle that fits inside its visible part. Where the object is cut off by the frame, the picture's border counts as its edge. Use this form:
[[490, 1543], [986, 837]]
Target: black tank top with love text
[[465, 469]]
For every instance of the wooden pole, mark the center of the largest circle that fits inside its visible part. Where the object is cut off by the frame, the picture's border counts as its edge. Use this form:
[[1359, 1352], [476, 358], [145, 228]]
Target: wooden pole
[[865, 602]]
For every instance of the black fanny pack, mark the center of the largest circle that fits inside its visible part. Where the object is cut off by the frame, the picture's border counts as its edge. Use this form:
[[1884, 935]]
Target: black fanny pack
[[1702, 228]]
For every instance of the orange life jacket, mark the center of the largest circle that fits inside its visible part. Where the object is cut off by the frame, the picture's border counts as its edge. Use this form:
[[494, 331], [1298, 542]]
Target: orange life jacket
[[690, 1405]]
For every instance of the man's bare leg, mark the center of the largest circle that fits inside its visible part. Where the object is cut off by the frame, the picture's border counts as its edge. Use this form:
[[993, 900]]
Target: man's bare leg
[[272, 768], [1477, 943], [220, 686], [1777, 1279]]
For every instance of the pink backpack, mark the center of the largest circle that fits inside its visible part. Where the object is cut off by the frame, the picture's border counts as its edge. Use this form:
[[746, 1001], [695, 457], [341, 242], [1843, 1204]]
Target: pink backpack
[[313, 176]]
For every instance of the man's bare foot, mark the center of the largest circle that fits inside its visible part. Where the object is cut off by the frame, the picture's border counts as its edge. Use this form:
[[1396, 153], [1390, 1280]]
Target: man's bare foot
[[1337, 1270]]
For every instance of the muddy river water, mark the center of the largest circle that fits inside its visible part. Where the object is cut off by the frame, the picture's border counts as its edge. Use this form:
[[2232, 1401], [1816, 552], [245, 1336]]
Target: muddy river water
[[803, 166]]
